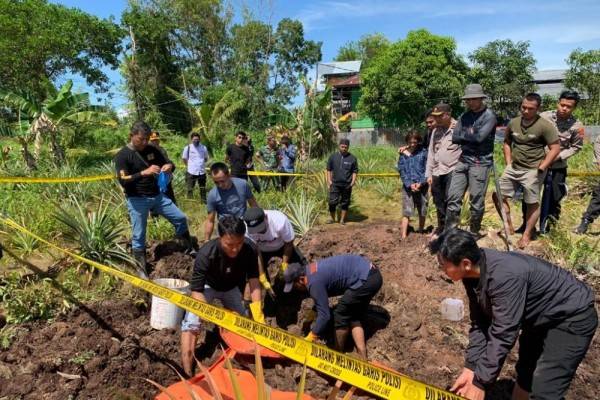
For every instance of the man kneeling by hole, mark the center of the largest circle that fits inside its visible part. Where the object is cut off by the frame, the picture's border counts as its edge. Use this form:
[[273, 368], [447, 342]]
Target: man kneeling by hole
[[351, 276], [221, 270], [511, 293]]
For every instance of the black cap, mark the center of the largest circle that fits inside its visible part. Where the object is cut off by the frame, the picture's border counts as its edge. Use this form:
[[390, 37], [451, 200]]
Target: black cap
[[293, 272], [441, 108], [255, 220]]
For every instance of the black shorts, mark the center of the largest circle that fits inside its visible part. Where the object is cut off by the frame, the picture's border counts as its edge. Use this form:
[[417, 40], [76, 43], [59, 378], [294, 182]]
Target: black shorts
[[549, 357], [353, 304], [341, 195]]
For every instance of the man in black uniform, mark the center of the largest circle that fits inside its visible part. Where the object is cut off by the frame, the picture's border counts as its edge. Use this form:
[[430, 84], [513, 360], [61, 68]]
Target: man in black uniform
[[238, 156], [221, 270], [511, 293], [342, 169], [138, 167]]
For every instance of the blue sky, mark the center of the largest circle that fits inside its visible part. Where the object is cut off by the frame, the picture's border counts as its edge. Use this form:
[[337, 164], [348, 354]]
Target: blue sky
[[554, 27]]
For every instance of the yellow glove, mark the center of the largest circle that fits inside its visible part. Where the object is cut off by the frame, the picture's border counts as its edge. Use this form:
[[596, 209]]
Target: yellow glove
[[311, 337], [264, 281], [257, 313], [283, 266]]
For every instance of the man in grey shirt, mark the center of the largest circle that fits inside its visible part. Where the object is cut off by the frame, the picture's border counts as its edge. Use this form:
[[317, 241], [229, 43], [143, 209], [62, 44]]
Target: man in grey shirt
[[442, 157], [514, 295]]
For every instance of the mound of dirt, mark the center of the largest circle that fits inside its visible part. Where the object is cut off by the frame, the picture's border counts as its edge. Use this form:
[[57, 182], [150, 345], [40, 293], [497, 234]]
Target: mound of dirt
[[106, 350]]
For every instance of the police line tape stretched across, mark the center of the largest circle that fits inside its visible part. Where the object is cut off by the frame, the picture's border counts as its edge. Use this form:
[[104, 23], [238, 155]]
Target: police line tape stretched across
[[371, 378], [95, 178]]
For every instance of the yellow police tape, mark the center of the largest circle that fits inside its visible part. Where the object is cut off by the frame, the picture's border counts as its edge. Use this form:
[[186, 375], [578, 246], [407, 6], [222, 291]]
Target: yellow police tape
[[94, 178], [361, 374]]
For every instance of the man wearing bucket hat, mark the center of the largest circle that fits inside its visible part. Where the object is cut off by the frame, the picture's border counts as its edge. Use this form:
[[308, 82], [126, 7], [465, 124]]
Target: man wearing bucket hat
[[475, 131], [222, 268], [351, 276], [514, 295], [138, 167]]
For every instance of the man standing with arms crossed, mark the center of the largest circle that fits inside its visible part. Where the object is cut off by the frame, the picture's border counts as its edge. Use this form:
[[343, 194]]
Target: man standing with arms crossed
[[195, 156], [527, 161], [475, 132], [442, 157], [342, 169]]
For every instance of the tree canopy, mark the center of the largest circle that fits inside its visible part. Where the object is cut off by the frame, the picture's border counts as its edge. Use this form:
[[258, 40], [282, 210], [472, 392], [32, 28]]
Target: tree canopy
[[40, 41], [505, 71], [412, 75], [584, 76], [365, 49]]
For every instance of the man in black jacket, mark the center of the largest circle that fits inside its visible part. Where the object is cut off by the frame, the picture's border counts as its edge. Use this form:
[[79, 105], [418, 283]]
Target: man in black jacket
[[511, 292], [342, 169], [138, 168]]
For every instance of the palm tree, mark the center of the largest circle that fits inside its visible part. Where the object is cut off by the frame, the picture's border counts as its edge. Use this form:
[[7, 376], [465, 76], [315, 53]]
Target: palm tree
[[45, 119]]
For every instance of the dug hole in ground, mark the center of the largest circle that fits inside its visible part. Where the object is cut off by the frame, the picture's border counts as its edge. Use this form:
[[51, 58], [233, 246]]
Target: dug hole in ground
[[108, 350]]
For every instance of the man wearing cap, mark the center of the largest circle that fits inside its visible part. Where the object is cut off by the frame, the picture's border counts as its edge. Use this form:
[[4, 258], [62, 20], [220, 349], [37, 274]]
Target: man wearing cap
[[273, 234], [195, 156], [230, 196], [475, 131], [138, 167], [442, 158], [527, 160], [222, 268], [155, 141], [351, 276], [342, 169]]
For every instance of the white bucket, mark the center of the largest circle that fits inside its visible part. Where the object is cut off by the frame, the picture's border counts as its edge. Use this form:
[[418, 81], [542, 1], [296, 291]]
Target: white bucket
[[165, 314], [452, 309]]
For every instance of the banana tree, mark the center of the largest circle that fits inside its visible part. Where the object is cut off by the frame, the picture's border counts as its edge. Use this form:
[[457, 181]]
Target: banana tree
[[21, 131], [211, 120], [62, 109]]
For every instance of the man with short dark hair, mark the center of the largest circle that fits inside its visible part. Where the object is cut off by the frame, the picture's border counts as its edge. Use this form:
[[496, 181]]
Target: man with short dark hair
[[138, 168], [287, 158], [442, 157], [525, 142], [195, 156], [238, 156], [268, 156], [475, 131], [570, 135], [514, 295], [430, 126], [351, 276], [229, 197], [342, 170], [593, 209], [222, 267]]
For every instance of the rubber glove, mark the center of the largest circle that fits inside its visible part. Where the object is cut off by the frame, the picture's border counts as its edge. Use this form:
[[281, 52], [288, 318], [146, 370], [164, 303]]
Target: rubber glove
[[311, 337], [262, 278], [283, 266], [257, 313]]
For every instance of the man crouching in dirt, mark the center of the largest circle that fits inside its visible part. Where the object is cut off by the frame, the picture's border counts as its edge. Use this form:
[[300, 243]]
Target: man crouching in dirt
[[353, 277], [222, 267], [511, 292]]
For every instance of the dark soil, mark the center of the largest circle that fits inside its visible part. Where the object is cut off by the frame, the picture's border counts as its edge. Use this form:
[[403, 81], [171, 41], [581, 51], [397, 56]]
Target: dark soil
[[109, 348]]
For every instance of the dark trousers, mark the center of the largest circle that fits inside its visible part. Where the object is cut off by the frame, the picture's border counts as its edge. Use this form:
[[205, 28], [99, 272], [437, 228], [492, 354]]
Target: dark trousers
[[555, 190], [339, 194], [353, 305], [254, 180], [549, 357], [190, 182], [439, 191], [593, 210], [285, 181]]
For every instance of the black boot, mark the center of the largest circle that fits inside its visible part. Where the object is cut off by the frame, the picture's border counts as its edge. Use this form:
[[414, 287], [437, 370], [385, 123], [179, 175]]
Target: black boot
[[583, 226], [452, 220], [475, 227], [140, 257]]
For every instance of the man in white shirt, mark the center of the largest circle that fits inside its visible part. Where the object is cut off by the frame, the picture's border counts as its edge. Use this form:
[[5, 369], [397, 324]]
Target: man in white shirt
[[195, 156]]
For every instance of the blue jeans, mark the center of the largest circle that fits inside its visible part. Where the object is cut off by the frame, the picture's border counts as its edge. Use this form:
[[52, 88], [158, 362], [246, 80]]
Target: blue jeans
[[139, 207], [231, 300]]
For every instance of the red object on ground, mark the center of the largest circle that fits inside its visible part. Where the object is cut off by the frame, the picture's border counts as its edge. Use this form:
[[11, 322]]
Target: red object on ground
[[242, 345], [218, 371]]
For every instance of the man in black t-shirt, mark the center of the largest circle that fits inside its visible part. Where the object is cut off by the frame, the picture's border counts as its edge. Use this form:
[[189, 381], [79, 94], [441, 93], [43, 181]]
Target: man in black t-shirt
[[238, 156], [222, 268], [342, 169], [139, 168]]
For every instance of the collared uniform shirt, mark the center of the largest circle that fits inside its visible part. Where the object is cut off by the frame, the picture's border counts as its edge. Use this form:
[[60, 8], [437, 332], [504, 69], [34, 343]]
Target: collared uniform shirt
[[570, 135]]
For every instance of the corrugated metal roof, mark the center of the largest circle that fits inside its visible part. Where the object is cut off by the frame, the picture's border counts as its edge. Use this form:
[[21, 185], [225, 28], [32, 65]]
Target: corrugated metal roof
[[551, 89], [549, 75], [339, 67]]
